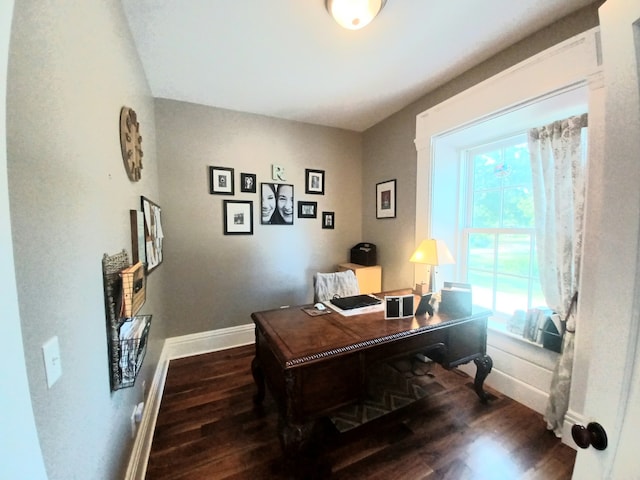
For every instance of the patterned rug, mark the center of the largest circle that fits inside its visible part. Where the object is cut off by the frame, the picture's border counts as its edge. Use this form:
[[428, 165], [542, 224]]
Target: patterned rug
[[390, 386]]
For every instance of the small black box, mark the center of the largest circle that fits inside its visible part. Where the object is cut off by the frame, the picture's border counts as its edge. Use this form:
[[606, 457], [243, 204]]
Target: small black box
[[455, 299], [364, 254], [551, 338]]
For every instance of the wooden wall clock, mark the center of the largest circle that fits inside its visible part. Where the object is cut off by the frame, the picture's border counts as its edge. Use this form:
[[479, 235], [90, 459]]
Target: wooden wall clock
[[131, 143]]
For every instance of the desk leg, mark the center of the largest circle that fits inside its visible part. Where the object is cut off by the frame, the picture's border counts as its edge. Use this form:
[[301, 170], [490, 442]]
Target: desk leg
[[294, 438], [302, 447], [483, 368], [258, 377]]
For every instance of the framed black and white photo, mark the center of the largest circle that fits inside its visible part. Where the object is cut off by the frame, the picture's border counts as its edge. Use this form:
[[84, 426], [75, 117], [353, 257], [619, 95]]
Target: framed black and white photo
[[238, 217], [386, 199], [314, 181], [307, 209], [277, 204], [328, 220], [221, 180], [248, 182]]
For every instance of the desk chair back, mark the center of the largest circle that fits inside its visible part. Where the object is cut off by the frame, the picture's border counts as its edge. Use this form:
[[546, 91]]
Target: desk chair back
[[328, 285]]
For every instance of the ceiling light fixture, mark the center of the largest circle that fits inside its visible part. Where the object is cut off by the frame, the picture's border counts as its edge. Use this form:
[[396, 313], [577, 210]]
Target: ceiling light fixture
[[354, 14]]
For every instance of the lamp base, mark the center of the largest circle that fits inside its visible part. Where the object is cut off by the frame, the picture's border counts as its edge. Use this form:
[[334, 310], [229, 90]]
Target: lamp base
[[421, 289]]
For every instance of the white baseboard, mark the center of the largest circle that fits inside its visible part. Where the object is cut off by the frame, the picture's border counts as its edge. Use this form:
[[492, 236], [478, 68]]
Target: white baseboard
[[177, 347], [212, 341]]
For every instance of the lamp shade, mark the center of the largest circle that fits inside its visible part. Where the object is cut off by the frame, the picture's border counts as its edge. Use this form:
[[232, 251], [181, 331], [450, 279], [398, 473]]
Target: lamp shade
[[354, 14], [432, 252]]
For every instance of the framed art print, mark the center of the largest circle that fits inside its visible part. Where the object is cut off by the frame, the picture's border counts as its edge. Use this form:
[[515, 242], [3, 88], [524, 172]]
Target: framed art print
[[277, 207], [248, 182], [307, 209], [221, 180], [153, 234], [238, 217], [314, 181], [328, 220], [386, 199]]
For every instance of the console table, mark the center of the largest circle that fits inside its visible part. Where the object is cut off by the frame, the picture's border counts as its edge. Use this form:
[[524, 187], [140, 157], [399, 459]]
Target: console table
[[314, 365]]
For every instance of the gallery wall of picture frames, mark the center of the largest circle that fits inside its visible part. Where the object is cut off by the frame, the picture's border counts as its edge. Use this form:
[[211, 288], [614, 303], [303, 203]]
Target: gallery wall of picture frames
[[276, 198], [277, 201]]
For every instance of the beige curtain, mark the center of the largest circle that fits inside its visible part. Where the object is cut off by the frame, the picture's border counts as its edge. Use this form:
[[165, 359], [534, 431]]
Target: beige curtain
[[558, 172]]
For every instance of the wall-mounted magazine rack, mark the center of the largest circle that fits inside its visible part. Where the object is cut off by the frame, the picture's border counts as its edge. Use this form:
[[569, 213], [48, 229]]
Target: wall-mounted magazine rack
[[126, 336]]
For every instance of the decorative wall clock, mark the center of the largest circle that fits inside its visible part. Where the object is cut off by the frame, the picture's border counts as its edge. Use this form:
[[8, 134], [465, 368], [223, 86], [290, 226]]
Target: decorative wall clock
[[131, 143]]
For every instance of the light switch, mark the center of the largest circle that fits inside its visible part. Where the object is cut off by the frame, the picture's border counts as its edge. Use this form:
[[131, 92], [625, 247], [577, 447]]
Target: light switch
[[52, 361]]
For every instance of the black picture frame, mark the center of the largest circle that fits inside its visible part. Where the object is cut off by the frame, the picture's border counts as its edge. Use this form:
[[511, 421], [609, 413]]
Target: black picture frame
[[153, 234], [328, 220], [248, 182], [277, 206], [314, 182], [238, 217], [221, 181], [386, 199], [307, 209]]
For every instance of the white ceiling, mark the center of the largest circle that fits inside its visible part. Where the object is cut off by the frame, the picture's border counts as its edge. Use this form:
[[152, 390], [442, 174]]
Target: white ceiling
[[289, 59]]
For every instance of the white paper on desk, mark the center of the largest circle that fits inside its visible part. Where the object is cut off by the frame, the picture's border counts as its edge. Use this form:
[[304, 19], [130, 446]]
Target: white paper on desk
[[355, 311]]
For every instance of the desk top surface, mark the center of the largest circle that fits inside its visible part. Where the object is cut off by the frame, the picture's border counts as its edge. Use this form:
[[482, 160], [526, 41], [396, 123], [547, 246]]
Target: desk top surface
[[298, 337]]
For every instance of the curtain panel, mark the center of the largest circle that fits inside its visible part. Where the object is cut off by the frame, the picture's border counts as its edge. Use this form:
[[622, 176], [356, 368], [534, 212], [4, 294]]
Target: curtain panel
[[558, 173]]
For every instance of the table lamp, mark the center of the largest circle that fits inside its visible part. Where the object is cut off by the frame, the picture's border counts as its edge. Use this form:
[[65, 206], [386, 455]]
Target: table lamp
[[432, 252]]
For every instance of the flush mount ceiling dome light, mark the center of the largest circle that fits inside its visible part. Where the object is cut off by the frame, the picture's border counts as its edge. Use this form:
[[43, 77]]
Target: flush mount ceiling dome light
[[354, 14]]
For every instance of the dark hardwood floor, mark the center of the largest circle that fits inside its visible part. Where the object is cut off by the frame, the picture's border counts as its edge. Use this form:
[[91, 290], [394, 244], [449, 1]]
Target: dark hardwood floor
[[208, 428]]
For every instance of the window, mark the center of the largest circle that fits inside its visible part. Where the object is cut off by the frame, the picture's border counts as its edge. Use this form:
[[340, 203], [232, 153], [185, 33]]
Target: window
[[498, 235]]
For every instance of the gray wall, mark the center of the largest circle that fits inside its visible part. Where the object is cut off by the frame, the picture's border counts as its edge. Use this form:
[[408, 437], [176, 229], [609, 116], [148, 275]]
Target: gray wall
[[389, 151], [216, 280], [72, 66]]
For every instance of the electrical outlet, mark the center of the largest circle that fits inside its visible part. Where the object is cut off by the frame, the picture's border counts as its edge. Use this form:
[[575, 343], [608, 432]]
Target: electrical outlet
[[139, 411], [52, 361]]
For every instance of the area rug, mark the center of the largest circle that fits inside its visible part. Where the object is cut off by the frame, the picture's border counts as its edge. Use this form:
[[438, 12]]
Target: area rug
[[390, 386]]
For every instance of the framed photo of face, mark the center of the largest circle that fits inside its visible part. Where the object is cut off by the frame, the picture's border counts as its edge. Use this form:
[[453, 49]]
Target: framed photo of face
[[328, 220], [277, 204], [221, 181], [248, 182], [314, 182]]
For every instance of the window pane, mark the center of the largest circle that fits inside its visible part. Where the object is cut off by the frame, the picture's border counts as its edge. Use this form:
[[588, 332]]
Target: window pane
[[517, 165], [514, 254], [484, 169], [517, 208], [511, 294], [501, 262], [481, 254], [481, 288], [537, 299], [486, 209]]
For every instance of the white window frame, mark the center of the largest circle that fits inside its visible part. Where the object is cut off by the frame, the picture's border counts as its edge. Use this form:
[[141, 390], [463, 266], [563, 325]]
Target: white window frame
[[565, 67], [466, 229]]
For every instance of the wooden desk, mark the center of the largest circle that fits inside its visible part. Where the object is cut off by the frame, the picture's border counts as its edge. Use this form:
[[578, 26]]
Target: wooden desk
[[314, 365]]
